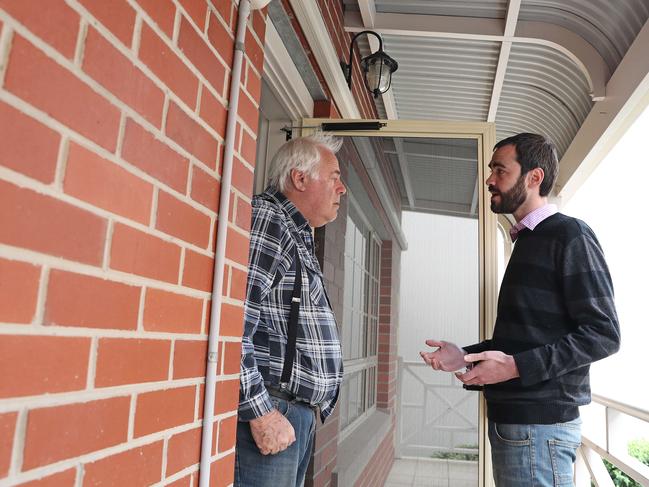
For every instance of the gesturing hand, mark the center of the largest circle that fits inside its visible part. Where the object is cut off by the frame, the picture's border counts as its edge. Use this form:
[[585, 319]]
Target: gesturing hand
[[272, 433], [448, 357], [494, 367]]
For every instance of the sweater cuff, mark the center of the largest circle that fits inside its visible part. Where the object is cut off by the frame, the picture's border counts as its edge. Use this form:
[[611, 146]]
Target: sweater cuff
[[529, 367]]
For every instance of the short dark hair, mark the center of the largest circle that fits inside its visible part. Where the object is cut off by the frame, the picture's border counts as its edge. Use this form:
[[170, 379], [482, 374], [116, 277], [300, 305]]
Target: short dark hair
[[532, 151]]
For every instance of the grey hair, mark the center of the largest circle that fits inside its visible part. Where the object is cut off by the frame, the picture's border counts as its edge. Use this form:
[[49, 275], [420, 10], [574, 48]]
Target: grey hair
[[302, 154]]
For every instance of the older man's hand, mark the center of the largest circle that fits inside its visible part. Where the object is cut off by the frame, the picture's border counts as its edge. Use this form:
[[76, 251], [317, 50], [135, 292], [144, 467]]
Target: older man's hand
[[272, 433]]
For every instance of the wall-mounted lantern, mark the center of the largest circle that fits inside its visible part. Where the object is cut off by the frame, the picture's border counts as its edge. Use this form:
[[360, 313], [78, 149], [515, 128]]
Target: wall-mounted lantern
[[377, 67]]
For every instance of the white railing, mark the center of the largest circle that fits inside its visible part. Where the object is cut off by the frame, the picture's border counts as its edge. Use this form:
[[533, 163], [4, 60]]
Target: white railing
[[608, 427], [435, 413]]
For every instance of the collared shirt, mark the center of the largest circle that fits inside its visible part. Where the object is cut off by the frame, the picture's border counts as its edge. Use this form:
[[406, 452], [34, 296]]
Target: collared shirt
[[532, 219], [277, 227]]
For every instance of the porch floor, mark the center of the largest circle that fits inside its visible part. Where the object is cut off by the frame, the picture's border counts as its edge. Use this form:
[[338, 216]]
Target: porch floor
[[428, 472]]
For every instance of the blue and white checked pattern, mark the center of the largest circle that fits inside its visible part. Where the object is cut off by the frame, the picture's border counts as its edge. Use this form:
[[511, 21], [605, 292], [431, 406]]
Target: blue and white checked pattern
[[277, 227]]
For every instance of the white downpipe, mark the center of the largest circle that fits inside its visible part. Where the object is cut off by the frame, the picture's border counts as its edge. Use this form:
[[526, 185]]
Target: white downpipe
[[245, 8]]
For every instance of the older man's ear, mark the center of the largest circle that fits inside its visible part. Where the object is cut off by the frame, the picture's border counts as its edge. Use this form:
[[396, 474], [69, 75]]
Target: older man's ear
[[298, 179]]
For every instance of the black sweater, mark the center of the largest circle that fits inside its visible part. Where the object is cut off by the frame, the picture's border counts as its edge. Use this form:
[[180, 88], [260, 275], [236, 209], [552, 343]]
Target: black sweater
[[556, 316]]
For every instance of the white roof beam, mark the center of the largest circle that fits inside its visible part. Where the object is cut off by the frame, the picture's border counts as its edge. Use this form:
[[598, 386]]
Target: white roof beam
[[405, 173], [583, 54], [367, 9], [503, 59]]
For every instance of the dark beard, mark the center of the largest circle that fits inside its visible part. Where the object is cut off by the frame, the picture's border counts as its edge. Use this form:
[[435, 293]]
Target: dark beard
[[512, 199]]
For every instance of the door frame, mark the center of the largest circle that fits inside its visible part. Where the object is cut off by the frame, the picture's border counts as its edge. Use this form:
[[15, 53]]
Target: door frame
[[485, 135]]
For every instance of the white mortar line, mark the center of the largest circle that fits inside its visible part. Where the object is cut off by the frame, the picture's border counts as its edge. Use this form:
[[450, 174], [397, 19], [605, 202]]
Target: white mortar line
[[41, 301]]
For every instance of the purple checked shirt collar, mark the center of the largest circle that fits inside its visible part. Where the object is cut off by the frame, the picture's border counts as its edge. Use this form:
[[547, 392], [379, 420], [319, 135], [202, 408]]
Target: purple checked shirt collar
[[532, 219]]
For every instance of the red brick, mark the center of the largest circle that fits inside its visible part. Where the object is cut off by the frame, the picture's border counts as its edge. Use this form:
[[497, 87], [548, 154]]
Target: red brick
[[131, 361], [200, 55], [197, 10], [191, 136], [139, 253], [78, 300], [221, 38], [44, 224], [244, 214], [224, 7], [166, 65], [184, 450], [161, 410], [163, 13], [183, 482], [68, 431], [104, 184], [142, 149], [231, 320], [227, 396], [190, 358], [40, 364], [183, 221], [53, 21], [48, 86], [253, 85], [116, 15], [7, 429], [117, 74], [18, 291], [28, 146], [227, 433], [254, 51], [205, 189], [259, 22], [222, 471], [238, 281], [198, 271], [139, 466], [236, 247], [249, 153], [213, 112], [248, 111], [170, 312], [66, 478], [231, 357]]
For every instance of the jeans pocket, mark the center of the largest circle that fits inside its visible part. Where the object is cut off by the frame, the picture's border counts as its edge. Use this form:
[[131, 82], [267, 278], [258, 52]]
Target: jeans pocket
[[513, 434], [282, 405], [563, 454]]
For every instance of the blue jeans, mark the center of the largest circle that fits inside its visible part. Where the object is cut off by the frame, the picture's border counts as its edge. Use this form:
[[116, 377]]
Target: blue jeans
[[534, 455], [286, 468]]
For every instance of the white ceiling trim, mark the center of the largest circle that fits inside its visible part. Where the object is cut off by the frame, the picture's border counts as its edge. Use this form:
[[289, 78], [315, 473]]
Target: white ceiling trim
[[578, 50], [503, 59], [284, 78], [405, 172], [310, 18]]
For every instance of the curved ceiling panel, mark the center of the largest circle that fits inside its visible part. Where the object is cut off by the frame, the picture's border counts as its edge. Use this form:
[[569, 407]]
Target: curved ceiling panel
[[610, 26], [543, 92]]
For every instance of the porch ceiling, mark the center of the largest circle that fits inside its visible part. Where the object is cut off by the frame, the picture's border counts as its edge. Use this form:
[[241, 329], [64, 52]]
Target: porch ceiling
[[527, 65]]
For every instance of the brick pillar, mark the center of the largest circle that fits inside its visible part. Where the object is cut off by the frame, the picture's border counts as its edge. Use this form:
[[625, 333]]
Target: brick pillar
[[388, 320]]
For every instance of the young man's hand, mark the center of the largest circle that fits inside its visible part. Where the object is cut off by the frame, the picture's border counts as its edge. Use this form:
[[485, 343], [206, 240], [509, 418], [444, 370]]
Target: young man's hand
[[272, 433], [448, 356], [493, 367]]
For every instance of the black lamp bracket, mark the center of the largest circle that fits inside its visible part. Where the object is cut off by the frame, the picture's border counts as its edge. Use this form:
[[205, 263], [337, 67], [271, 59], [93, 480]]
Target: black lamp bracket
[[347, 67]]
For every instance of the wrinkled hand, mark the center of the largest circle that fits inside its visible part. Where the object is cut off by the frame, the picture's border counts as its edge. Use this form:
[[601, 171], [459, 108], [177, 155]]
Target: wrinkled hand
[[494, 367], [272, 433], [448, 357]]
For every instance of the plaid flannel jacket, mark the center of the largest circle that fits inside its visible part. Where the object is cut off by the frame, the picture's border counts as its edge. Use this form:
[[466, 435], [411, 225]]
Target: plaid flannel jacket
[[277, 227]]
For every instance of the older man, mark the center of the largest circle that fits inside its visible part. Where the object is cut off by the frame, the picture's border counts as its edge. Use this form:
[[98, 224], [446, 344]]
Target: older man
[[291, 364]]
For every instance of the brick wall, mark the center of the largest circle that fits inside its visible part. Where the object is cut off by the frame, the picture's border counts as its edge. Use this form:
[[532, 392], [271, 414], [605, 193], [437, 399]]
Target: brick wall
[[112, 116]]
